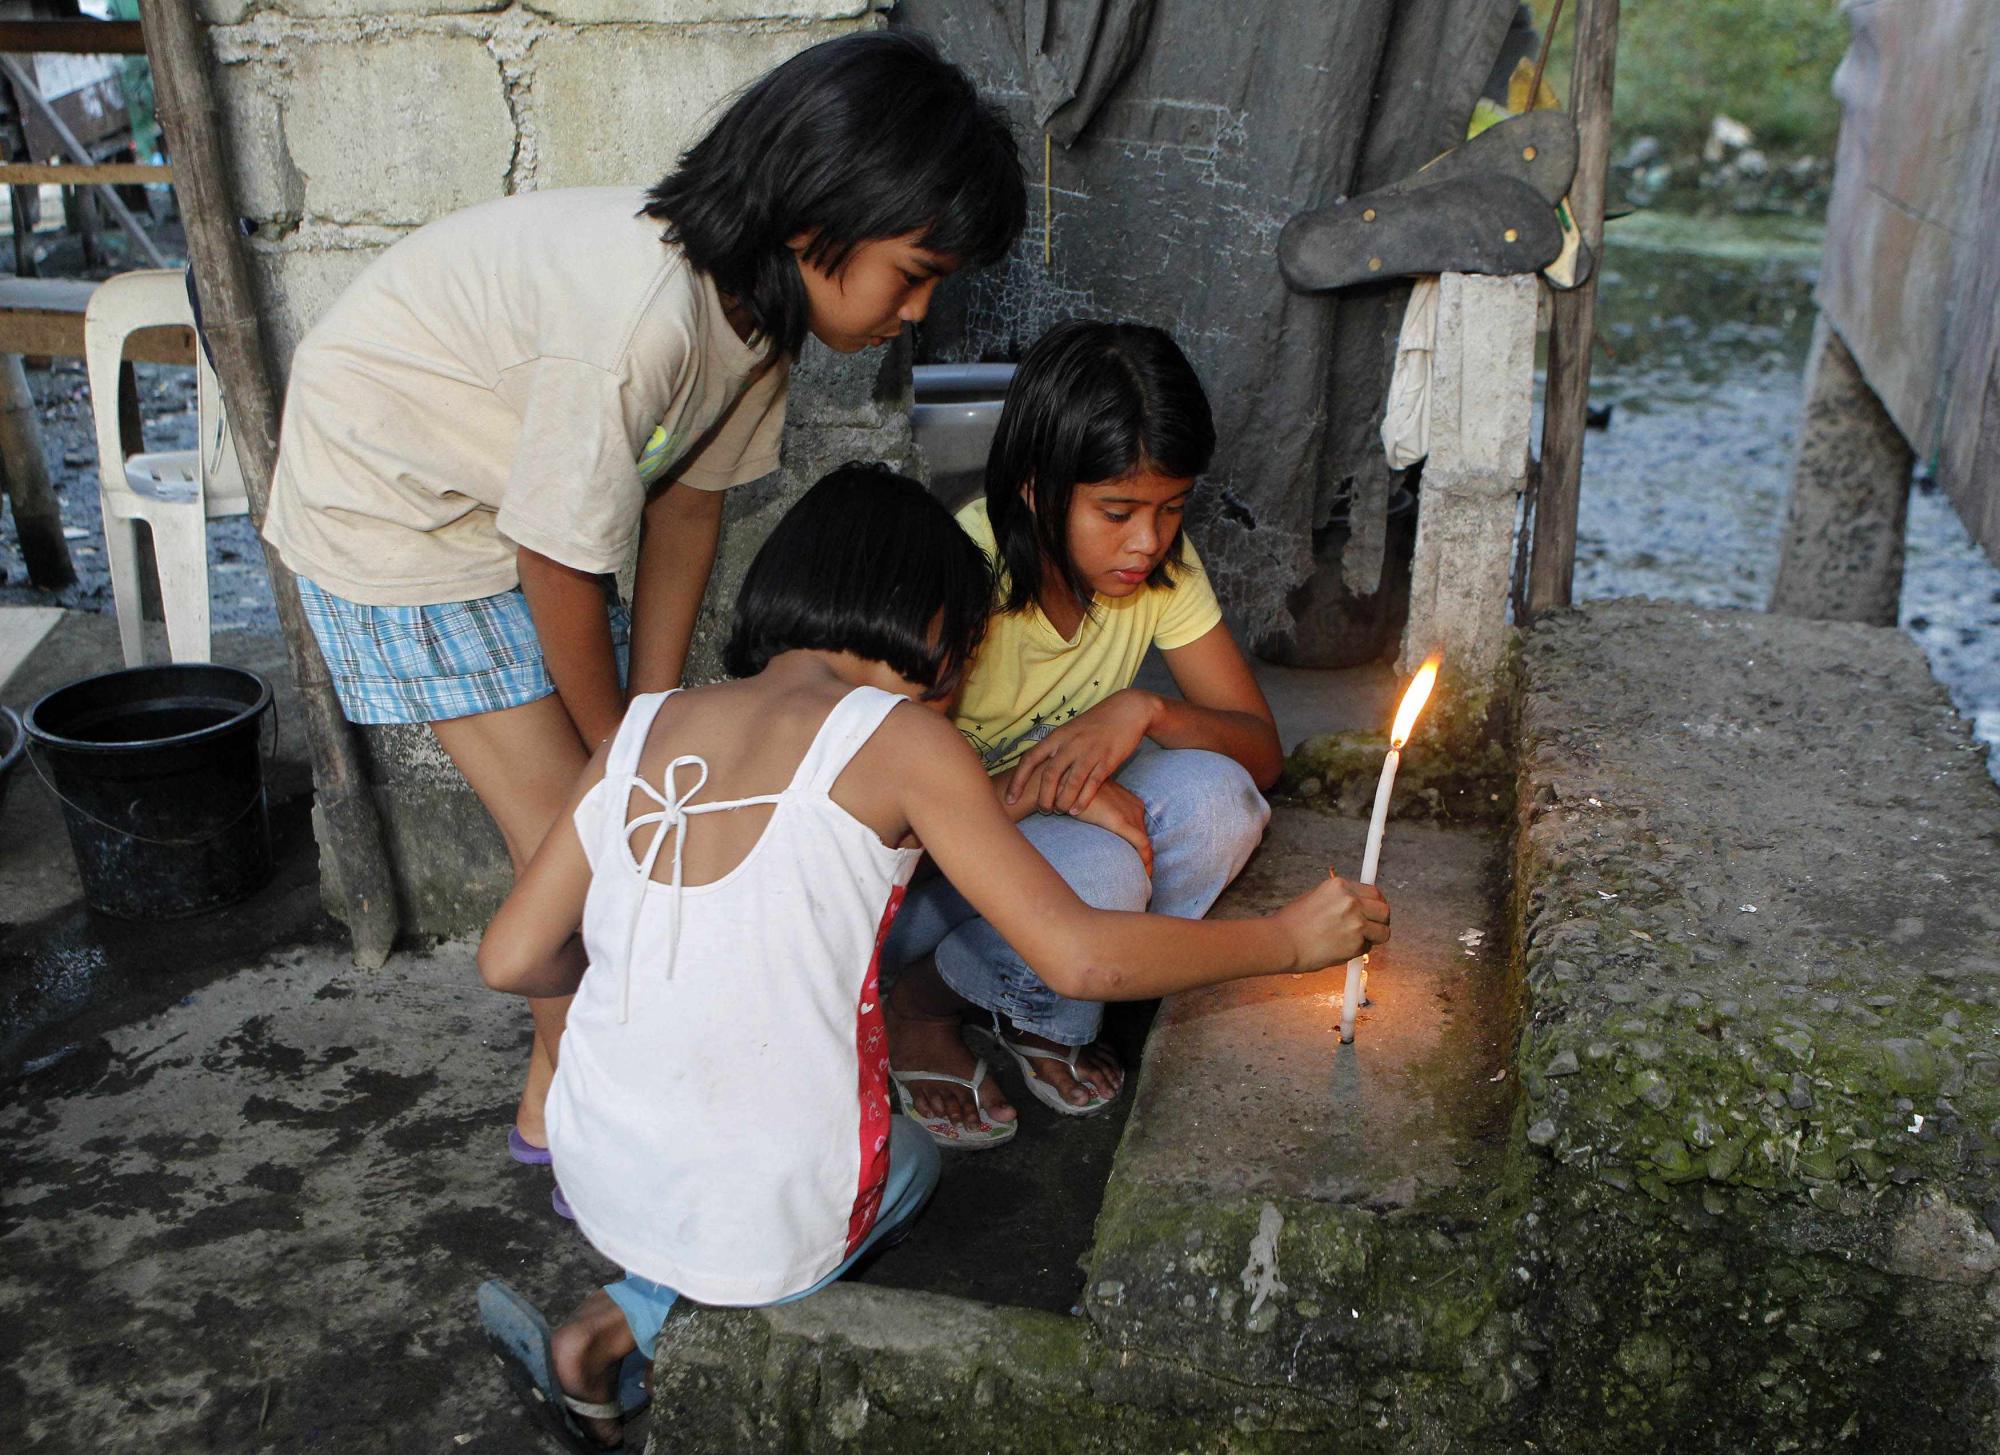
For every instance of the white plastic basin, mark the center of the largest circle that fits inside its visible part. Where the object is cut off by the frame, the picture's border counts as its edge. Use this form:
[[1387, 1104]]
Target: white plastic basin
[[956, 411]]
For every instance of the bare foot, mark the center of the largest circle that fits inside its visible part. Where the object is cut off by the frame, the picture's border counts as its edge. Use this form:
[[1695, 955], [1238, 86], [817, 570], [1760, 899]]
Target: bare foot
[[587, 1352], [927, 1043], [1099, 1074]]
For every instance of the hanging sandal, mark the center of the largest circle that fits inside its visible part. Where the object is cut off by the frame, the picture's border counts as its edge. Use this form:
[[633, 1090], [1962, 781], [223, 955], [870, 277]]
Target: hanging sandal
[[944, 1131], [1024, 1055]]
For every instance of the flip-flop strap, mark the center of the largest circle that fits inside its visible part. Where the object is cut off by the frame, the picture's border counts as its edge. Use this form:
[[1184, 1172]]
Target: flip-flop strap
[[591, 1409], [978, 1075], [986, 1123], [1041, 1053]]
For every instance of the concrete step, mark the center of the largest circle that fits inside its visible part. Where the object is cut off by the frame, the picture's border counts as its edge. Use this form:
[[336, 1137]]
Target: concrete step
[[1295, 1243], [1759, 888], [1288, 1210]]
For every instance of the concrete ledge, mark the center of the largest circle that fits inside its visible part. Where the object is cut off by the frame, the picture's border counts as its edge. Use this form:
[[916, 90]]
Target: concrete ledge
[[1758, 890], [1289, 1212], [856, 1368]]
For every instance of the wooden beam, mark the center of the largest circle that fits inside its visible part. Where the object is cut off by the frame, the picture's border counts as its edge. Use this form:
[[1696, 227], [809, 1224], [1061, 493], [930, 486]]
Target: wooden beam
[[107, 174], [1552, 570], [60, 336], [43, 317], [351, 826], [72, 37]]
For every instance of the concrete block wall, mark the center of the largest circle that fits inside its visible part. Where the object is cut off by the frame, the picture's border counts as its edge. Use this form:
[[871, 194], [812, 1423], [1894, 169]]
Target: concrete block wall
[[351, 123]]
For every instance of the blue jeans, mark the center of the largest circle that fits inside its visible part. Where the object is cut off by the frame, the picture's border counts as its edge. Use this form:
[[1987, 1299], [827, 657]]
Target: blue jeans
[[1204, 816], [913, 1176]]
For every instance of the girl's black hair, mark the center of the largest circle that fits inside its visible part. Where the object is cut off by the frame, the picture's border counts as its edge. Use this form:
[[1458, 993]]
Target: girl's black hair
[[870, 135], [1090, 401], [867, 562]]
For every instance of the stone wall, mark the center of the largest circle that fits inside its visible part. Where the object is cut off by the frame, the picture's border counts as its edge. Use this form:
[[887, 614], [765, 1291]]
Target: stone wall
[[350, 123]]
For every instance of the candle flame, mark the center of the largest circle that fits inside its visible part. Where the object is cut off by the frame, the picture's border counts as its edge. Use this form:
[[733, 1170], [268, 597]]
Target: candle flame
[[1414, 698]]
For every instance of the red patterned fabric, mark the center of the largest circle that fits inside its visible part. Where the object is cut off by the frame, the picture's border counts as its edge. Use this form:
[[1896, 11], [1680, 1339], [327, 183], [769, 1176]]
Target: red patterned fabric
[[871, 1044]]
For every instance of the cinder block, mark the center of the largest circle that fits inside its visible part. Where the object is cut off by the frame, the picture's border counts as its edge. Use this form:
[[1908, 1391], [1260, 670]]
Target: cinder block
[[662, 87], [683, 12], [266, 185], [225, 12], [398, 131], [384, 9], [295, 286]]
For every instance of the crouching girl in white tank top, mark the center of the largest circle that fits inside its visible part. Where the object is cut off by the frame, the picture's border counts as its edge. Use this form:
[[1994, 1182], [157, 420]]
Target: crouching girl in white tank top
[[720, 1119]]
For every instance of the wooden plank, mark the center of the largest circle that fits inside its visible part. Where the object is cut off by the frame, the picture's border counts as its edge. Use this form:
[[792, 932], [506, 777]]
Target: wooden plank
[[73, 37], [44, 317], [114, 174], [1552, 570]]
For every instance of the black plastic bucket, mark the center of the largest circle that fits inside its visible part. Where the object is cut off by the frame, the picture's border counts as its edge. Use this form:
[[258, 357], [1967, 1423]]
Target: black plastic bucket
[[12, 741], [161, 778]]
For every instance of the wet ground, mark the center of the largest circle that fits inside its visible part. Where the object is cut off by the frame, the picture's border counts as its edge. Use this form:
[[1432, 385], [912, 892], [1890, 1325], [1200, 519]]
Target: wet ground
[[1707, 325]]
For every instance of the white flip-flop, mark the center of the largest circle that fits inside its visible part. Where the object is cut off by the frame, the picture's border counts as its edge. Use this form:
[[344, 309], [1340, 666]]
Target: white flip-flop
[[944, 1131], [1041, 1090]]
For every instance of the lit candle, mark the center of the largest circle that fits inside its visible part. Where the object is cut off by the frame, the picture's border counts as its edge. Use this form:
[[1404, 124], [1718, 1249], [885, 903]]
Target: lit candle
[[1414, 697]]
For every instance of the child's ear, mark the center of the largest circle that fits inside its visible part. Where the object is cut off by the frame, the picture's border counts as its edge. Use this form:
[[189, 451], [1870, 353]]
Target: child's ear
[[1028, 494], [798, 242]]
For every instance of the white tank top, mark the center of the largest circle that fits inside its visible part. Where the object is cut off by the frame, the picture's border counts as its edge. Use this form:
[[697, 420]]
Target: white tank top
[[720, 1114]]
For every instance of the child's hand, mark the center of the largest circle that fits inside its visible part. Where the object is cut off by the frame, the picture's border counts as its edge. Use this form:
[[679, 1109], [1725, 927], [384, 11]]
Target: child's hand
[[1084, 753], [1119, 809], [1334, 921]]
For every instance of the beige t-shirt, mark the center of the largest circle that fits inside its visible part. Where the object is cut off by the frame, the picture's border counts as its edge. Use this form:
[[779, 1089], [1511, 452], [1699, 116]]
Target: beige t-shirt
[[493, 381]]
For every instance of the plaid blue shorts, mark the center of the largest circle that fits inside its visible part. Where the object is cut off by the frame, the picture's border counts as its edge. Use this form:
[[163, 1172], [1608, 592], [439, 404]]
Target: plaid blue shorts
[[429, 663]]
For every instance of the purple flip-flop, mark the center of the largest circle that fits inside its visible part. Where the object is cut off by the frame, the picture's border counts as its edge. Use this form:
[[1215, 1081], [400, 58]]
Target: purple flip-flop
[[560, 1203], [524, 1151]]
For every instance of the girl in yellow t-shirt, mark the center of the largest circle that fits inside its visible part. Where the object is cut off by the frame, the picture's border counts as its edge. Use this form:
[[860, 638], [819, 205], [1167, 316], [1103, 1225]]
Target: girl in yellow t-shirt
[[1139, 801]]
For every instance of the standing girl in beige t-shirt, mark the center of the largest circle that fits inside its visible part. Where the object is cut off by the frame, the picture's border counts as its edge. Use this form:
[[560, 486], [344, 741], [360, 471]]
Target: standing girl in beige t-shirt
[[512, 400]]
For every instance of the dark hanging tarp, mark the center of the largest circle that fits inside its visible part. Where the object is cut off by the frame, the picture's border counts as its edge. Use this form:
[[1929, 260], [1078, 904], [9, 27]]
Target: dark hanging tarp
[[1078, 50], [1193, 132]]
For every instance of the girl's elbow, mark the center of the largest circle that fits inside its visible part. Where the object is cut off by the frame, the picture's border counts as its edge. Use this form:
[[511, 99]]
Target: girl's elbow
[[1068, 976], [495, 967]]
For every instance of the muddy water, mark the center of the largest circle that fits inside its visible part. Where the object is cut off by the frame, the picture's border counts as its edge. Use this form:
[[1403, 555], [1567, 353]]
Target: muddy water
[[1707, 326]]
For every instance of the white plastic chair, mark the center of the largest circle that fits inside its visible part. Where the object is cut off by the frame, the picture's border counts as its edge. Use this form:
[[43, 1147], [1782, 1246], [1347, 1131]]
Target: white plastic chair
[[175, 492]]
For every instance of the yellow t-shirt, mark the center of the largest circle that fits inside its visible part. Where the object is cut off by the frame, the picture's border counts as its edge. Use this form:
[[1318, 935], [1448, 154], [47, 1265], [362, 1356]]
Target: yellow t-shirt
[[516, 374], [1028, 681]]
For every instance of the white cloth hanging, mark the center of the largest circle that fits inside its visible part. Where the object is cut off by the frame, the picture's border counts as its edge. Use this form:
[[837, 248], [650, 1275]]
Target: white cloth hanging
[[1406, 418]]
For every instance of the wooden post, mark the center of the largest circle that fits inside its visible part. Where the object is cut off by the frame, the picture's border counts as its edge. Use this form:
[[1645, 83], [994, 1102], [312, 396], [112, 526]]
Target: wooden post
[[1553, 567], [37, 517], [24, 202], [190, 117]]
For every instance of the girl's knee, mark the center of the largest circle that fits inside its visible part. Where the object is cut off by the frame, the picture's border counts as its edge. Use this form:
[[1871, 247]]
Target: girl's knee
[[1211, 789], [1116, 878]]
